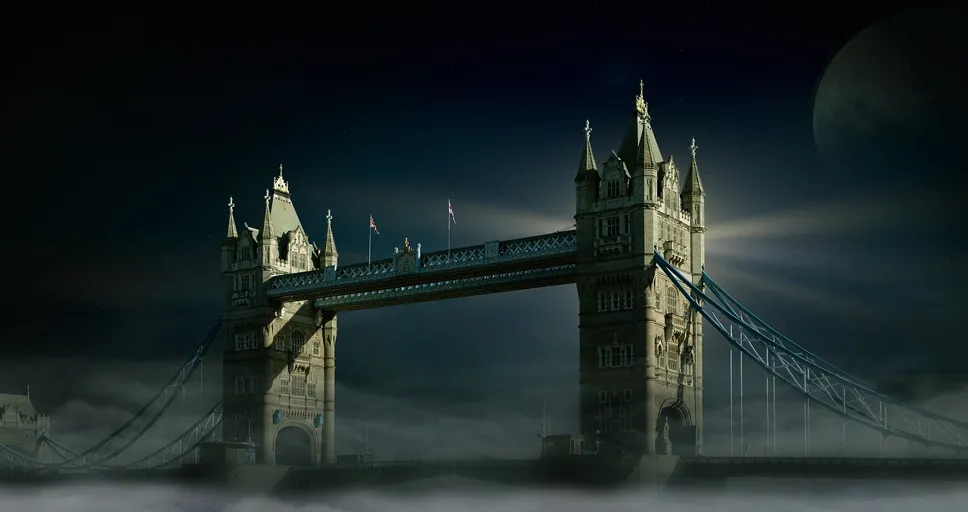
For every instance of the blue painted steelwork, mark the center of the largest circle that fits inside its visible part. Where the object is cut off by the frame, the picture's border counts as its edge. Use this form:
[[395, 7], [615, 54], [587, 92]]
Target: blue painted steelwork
[[323, 282], [119, 441], [462, 287], [817, 380]]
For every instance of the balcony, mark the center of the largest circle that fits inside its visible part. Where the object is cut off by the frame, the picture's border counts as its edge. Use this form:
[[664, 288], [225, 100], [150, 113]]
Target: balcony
[[674, 253]]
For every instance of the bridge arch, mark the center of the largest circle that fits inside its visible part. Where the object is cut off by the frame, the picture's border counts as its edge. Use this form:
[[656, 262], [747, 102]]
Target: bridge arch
[[675, 430], [296, 443]]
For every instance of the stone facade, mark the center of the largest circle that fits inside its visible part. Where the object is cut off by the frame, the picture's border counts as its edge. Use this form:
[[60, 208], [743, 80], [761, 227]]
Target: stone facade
[[278, 359], [640, 347], [22, 427]]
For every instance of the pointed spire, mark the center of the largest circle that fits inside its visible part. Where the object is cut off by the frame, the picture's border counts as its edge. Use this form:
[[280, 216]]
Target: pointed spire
[[693, 185], [587, 162], [638, 135], [646, 157], [233, 233], [328, 255], [267, 233]]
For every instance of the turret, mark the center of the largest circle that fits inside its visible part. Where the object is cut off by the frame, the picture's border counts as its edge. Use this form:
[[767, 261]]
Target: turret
[[587, 177], [640, 152], [693, 198], [328, 255], [268, 240], [230, 245]]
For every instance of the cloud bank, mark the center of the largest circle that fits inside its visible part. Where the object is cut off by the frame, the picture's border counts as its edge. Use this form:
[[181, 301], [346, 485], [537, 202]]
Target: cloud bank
[[456, 494]]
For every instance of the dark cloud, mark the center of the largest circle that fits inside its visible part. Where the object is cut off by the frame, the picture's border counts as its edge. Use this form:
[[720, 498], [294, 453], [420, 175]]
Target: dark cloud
[[854, 259]]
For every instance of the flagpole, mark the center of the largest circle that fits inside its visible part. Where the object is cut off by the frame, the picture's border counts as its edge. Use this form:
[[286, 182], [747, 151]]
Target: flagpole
[[369, 246], [448, 229]]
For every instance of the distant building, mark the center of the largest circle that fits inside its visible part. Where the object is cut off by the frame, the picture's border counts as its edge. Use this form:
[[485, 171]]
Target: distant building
[[562, 445], [22, 427]]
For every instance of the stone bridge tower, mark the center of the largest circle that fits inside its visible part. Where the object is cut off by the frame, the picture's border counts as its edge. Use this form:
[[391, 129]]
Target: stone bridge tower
[[278, 359], [640, 349], [22, 427]]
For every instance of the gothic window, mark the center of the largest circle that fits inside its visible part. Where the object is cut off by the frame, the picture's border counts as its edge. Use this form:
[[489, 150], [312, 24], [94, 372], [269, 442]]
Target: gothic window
[[245, 386], [298, 340], [279, 342], [628, 395], [626, 220], [672, 300], [246, 341], [615, 356], [299, 386], [310, 390], [603, 397], [244, 283], [243, 424], [284, 386], [613, 188], [316, 348], [615, 300], [612, 226], [658, 302]]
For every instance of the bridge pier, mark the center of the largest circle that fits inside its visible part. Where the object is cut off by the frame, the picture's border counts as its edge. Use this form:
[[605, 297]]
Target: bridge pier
[[329, 387]]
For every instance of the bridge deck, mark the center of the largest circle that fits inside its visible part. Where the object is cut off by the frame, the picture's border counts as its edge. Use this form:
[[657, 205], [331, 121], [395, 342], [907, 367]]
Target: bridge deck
[[491, 267]]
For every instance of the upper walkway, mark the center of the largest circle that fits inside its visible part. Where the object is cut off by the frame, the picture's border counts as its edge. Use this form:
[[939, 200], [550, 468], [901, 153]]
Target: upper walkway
[[410, 276]]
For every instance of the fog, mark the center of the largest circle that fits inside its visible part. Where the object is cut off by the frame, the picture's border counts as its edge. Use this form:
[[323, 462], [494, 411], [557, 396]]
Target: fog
[[449, 495], [502, 423]]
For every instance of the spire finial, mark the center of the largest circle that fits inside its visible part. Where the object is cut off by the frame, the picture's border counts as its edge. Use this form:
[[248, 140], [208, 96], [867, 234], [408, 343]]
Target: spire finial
[[268, 197], [329, 215], [588, 130], [640, 105], [231, 205], [280, 170], [693, 147]]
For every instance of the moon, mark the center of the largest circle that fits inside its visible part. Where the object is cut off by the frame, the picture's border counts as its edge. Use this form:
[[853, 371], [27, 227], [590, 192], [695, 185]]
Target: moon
[[903, 76]]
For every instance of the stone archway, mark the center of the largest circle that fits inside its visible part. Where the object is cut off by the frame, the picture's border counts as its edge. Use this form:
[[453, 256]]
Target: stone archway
[[675, 433], [294, 446]]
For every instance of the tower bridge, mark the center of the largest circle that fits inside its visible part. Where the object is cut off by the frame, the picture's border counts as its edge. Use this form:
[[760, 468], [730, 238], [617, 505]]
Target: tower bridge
[[646, 307]]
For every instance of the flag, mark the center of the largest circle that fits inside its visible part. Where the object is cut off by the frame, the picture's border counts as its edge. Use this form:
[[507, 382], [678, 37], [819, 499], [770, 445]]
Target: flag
[[373, 226], [450, 210]]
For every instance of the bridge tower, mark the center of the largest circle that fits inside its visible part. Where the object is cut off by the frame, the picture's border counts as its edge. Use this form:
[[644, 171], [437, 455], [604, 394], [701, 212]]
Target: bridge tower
[[22, 427], [278, 360], [640, 364]]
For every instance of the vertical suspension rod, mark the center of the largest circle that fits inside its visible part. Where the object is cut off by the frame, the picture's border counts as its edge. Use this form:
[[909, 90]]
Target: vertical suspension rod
[[731, 393], [768, 450], [742, 417]]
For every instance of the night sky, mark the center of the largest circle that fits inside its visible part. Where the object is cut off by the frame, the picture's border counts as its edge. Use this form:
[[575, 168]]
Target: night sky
[[127, 136]]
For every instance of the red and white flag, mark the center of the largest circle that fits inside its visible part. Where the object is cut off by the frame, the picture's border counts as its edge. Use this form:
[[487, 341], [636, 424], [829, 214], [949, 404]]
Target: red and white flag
[[373, 225], [450, 210]]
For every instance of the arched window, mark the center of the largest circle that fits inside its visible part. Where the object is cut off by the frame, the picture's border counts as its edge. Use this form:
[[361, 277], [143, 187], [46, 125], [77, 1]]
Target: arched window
[[672, 301], [279, 342], [298, 340]]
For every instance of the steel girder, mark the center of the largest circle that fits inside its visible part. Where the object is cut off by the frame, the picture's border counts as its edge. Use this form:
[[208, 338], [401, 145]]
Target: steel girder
[[451, 288], [182, 445], [472, 260], [814, 378], [127, 434]]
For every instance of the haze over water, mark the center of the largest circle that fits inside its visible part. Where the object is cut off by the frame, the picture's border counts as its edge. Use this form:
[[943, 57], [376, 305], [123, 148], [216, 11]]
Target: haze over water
[[454, 494]]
